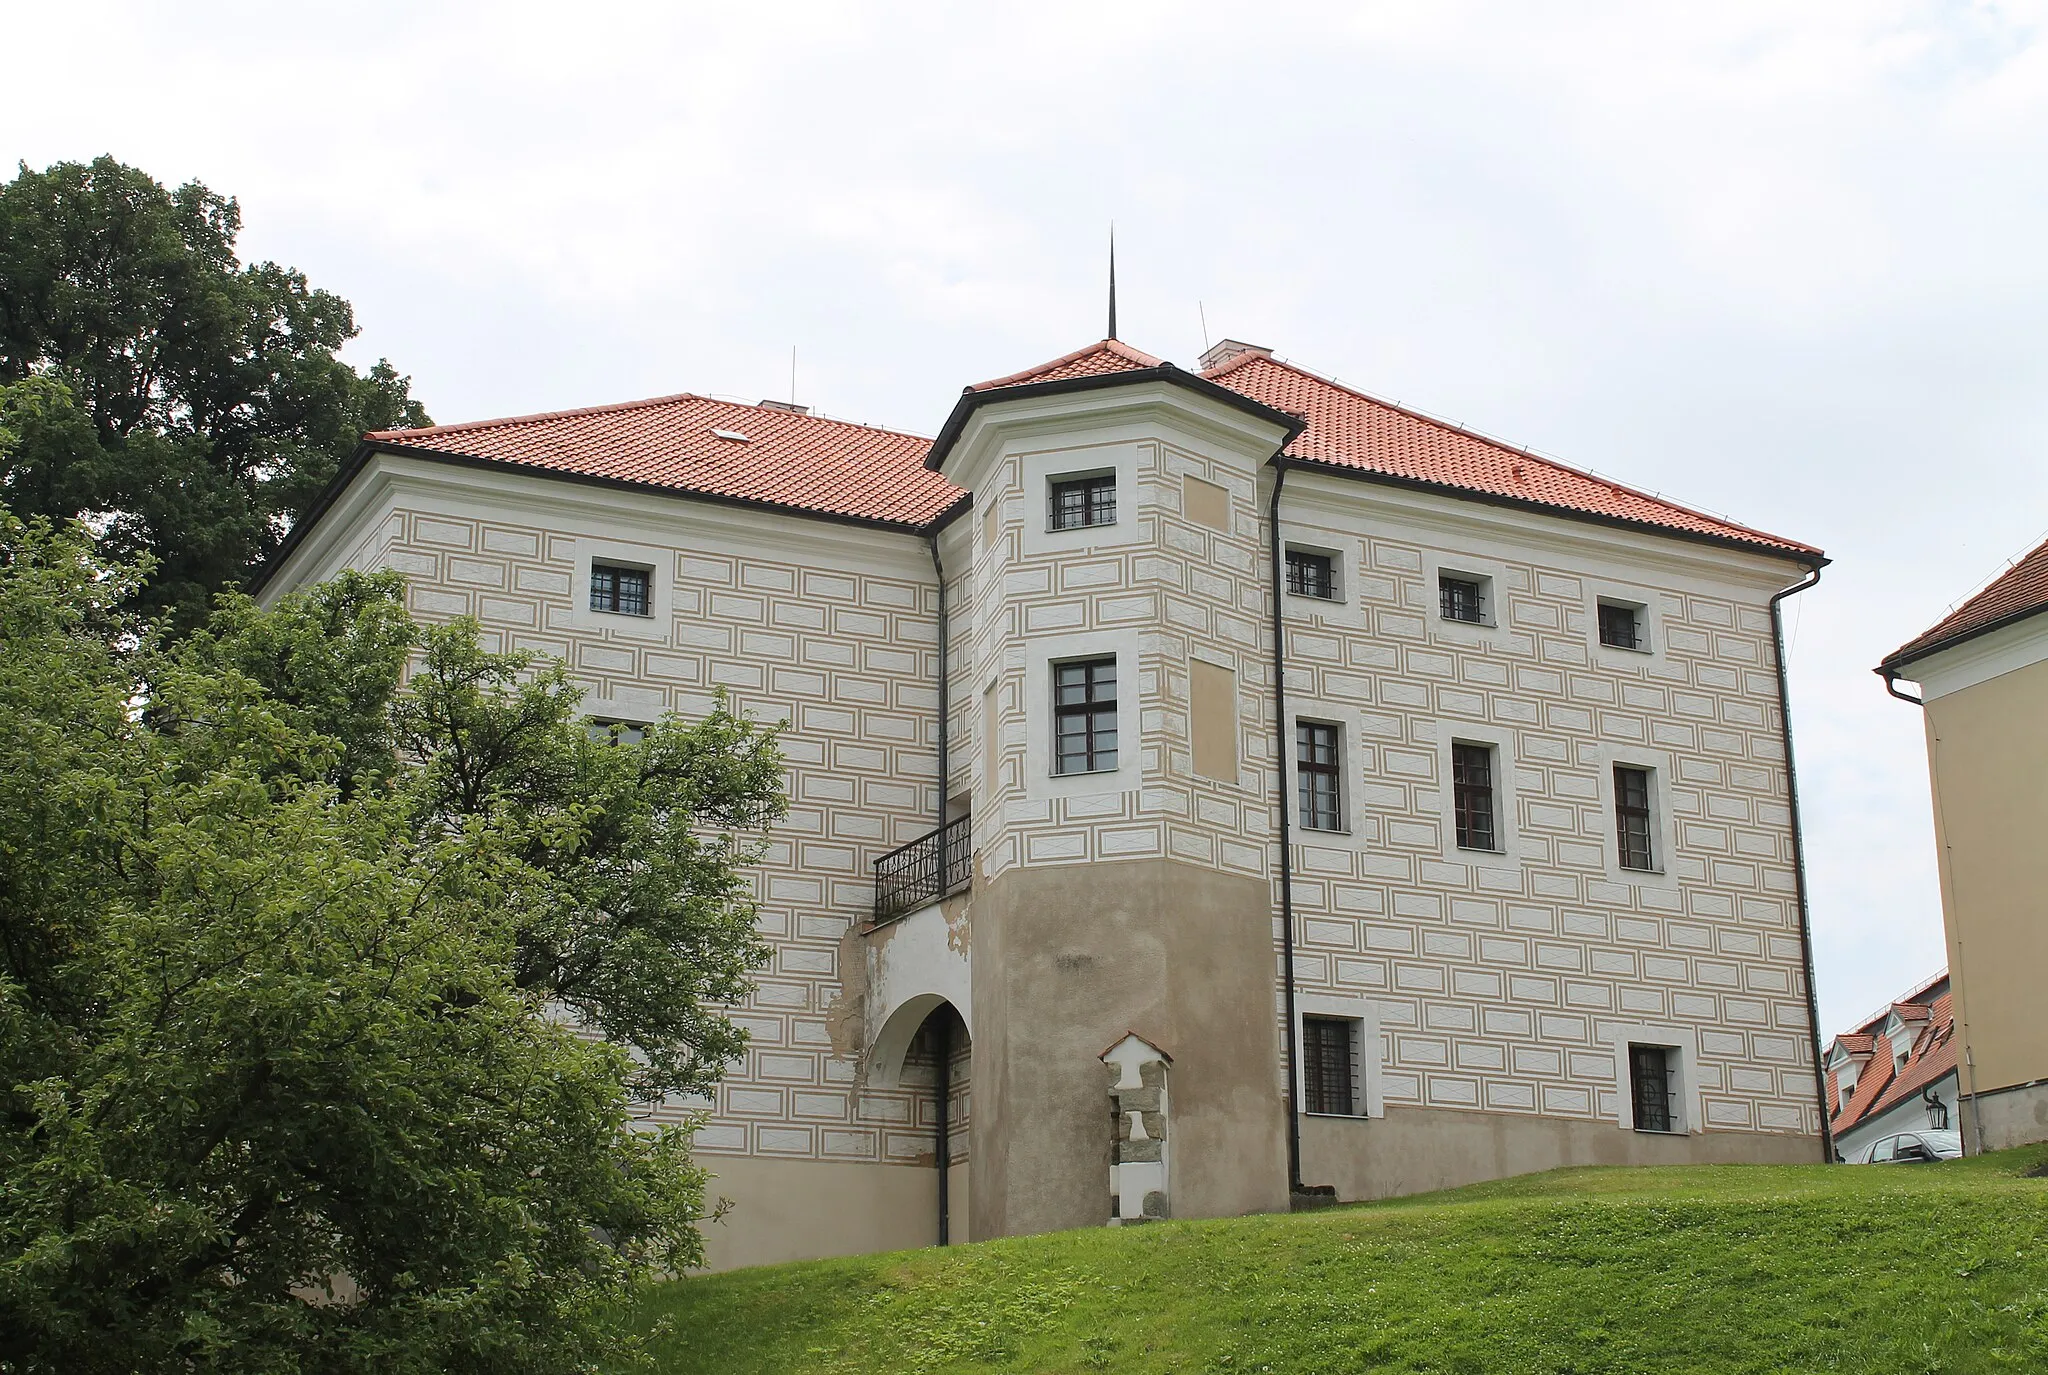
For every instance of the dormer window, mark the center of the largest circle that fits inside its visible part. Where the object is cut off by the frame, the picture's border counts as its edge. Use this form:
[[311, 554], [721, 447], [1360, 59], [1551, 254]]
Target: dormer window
[[1080, 502]]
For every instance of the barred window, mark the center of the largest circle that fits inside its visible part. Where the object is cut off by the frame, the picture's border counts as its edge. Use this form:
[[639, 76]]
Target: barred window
[[619, 590], [1472, 796], [1311, 575], [1083, 501], [1319, 772], [1649, 1078], [1326, 1064], [1621, 625], [1632, 817], [1463, 599], [1084, 716]]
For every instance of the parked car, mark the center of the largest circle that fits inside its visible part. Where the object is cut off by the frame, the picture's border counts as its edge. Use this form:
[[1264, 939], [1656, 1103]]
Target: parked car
[[1915, 1148]]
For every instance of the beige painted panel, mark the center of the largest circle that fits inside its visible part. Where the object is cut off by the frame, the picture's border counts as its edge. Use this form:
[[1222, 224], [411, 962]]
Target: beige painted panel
[[1205, 503], [1988, 756], [1415, 1150], [806, 1209], [1213, 707]]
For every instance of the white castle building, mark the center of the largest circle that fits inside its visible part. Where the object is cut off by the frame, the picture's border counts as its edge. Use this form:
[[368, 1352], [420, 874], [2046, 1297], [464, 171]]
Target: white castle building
[[1243, 787]]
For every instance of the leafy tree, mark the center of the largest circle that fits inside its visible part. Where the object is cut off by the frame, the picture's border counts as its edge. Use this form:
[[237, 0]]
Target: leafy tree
[[291, 953], [188, 405]]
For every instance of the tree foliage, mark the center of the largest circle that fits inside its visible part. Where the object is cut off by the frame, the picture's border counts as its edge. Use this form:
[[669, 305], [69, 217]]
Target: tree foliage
[[191, 406], [292, 949]]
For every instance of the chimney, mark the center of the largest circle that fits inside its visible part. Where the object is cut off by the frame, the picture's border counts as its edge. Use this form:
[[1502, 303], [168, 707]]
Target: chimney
[[789, 406], [1228, 349]]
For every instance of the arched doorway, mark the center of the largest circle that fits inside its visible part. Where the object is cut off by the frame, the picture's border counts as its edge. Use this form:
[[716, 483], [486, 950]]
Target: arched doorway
[[933, 1071]]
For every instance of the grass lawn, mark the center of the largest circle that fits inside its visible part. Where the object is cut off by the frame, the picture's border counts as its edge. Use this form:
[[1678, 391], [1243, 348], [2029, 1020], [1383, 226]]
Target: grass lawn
[[1879, 1271]]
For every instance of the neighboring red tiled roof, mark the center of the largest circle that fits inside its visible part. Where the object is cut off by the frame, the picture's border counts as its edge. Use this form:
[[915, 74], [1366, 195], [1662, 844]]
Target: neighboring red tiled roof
[[1884, 1083], [1096, 360], [1348, 429], [788, 459], [2018, 591]]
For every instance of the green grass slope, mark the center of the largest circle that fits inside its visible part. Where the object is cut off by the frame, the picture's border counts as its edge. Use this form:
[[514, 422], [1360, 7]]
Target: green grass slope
[[1722, 1269]]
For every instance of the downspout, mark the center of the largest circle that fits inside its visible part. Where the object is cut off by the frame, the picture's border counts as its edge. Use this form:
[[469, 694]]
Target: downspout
[[942, 1040], [1891, 685], [1286, 846], [1820, 1081], [945, 777]]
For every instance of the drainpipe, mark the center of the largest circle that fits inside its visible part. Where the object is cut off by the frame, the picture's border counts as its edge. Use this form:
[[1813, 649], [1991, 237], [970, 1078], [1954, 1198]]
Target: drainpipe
[[942, 1039], [944, 777], [1286, 846], [1820, 1082], [1891, 685]]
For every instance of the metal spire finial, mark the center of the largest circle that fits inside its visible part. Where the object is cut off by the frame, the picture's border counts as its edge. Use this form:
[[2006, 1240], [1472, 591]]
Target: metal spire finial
[[1112, 279]]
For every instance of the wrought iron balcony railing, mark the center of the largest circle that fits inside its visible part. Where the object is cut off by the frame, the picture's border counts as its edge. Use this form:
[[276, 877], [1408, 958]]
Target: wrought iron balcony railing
[[927, 869]]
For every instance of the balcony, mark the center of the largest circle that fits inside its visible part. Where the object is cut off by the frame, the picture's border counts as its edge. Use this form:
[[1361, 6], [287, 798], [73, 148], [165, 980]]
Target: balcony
[[925, 870]]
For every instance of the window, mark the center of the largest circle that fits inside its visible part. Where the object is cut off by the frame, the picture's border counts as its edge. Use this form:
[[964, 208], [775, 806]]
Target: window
[[1326, 1064], [1472, 796], [1082, 501], [1649, 1077], [1881, 1153], [1632, 817], [1311, 575], [1319, 771], [1084, 716], [1621, 626], [622, 591], [615, 732], [1463, 599]]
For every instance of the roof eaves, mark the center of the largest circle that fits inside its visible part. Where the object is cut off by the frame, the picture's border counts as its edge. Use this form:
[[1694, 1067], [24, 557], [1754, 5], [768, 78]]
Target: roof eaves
[[1913, 651], [971, 401]]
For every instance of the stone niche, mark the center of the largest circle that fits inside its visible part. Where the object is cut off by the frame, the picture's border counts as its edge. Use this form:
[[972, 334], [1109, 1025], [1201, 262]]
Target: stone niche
[[1136, 1071]]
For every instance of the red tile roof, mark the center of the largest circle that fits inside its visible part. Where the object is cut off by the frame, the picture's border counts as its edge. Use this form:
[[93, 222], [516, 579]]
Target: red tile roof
[[1096, 360], [1348, 429], [2019, 591], [787, 459], [1885, 1083]]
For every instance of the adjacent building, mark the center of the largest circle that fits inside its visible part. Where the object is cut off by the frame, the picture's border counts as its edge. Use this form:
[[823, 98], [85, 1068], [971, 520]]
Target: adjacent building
[[1895, 1072], [1983, 679], [1208, 786]]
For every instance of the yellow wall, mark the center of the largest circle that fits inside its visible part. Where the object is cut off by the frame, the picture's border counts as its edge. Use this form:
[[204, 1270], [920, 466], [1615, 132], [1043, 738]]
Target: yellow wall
[[1988, 757], [807, 1209]]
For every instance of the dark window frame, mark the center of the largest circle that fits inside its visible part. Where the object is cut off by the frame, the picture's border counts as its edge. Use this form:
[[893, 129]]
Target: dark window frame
[[1609, 613], [1319, 775], [1082, 713], [1311, 573], [1635, 825], [1461, 597], [1081, 501], [607, 731], [1475, 796], [1653, 1099], [1329, 1064], [621, 589]]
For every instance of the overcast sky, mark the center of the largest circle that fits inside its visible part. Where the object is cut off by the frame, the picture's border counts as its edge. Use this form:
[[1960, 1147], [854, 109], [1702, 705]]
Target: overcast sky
[[1787, 263]]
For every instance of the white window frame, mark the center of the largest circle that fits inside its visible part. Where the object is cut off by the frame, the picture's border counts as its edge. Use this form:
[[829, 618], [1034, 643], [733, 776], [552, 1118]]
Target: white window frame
[[1346, 554], [1367, 1051], [1663, 826], [660, 566], [1041, 653], [1686, 1116], [1041, 470], [1492, 579], [1649, 623], [1504, 742], [1340, 590]]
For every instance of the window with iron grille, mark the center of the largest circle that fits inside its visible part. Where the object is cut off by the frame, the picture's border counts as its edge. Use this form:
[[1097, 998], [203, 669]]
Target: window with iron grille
[[1632, 817], [1463, 599], [1311, 575], [1326, 1064], [619, 590], [1319, 773], [1649, 1079], [1621, 625], [1084, 716], [1084, 501], [1472, 796]]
